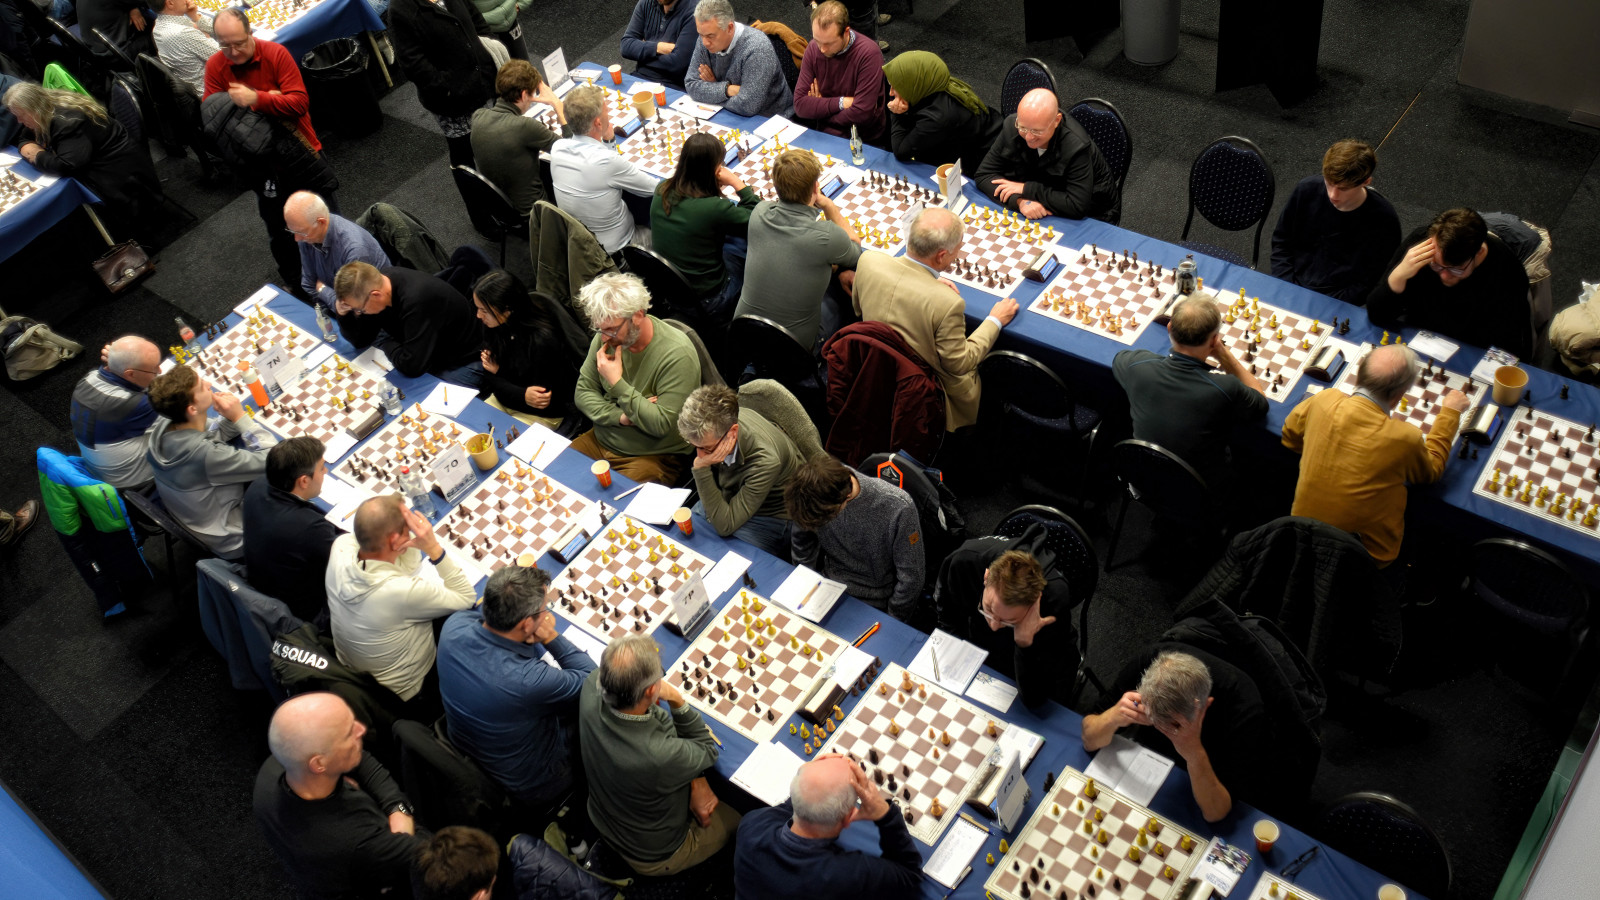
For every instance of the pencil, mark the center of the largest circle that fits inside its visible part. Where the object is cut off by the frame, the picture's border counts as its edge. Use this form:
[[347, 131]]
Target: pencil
[[536, 453], [807, 598], [868, 633], [713, 735], [627, 492]]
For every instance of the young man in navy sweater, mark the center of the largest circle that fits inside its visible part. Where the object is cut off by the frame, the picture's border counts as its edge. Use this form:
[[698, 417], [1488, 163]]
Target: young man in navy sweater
[[1335, 235]]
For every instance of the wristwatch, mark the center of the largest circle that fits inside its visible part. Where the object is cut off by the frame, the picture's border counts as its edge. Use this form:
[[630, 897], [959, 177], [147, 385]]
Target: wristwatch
[[402, 807]]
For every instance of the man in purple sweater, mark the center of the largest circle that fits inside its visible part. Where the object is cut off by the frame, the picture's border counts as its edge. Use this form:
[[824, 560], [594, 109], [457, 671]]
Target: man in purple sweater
[[841, 77]]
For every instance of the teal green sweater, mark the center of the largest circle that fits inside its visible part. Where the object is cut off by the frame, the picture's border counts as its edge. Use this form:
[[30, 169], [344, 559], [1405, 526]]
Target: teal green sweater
[[692, 235]]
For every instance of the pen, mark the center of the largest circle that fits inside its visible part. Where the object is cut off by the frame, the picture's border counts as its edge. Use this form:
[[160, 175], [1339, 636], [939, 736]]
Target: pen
[[627, 492], [868, 633], [807, 598], [933, 654], [713, 735], [536, 453]]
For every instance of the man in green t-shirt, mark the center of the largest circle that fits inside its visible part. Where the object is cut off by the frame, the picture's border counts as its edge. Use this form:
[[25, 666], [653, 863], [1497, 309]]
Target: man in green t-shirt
[[636, 377]]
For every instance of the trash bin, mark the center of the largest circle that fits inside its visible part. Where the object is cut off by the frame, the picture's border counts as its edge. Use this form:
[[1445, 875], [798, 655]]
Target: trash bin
[[1149, 31], [342, 99]]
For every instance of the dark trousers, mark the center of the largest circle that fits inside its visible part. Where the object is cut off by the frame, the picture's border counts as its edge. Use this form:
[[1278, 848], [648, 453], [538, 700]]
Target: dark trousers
[[513, 41], [864, 17]]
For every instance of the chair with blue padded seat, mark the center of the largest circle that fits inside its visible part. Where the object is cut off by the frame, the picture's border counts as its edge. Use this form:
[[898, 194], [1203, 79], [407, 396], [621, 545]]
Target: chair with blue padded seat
[[1232, 185], [1166, 485], [1024, 76], [1109, 131], [1075, 559], [1379, 831], [1541, 597], [1025, 405]]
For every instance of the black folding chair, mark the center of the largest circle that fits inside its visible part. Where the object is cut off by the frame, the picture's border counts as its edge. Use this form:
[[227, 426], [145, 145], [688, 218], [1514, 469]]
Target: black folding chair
[[1026, 405], [1078, 564], [491, 211], [1232, 185], [666, 284], [75, 55], [152, 516], [1166, 485], [1023, 76], [1381, 832], [121, 54], [1540, 598]]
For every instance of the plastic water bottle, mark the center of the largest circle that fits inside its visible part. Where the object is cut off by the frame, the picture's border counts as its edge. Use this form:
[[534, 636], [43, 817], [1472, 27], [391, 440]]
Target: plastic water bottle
[[252, 383], [856, 156], [391, 399], [325, 322], [191, 342], [416, 493]]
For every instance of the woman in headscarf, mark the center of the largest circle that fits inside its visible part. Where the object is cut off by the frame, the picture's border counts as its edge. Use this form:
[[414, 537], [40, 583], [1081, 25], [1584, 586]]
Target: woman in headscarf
[[72, 135], [936, 118]]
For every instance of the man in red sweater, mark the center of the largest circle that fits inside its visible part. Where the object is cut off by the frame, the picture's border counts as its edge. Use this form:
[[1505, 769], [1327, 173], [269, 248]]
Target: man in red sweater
[[841, 77], [262, 76]]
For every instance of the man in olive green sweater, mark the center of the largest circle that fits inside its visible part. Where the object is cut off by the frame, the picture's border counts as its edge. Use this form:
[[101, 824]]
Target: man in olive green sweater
[[637, 375], [647, 797], [742, 463]]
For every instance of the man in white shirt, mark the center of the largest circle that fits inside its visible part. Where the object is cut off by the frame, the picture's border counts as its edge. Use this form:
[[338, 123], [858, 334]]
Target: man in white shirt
[[184, 41], [589, 176]]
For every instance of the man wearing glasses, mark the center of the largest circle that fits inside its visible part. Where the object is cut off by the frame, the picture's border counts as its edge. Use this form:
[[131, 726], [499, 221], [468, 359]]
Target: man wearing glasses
[[995, 592], [1457, 278], [110, 412], [327, 242], [420, 322], [1044, 164]]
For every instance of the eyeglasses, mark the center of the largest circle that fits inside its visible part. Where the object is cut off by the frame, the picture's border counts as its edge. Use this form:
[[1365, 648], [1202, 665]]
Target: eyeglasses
[[1298, 864], [1457, 271], [234, 45], [993, 619], [1031, 132], [615, 330], [713, 445], [145, 371]]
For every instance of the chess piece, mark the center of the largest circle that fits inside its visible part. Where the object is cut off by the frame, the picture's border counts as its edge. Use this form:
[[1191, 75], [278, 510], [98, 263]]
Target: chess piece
[[1563, 391]]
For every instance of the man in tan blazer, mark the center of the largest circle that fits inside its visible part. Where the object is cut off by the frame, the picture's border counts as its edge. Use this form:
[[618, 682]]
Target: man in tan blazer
[[908, 294]]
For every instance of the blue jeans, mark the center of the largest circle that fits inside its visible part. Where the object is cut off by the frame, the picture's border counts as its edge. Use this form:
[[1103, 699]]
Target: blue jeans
[[721, 306], [765, 532], [469, 375]]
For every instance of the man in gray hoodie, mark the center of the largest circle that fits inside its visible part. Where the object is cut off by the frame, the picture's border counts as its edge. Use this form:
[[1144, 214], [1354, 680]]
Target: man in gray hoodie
[[200, 475]]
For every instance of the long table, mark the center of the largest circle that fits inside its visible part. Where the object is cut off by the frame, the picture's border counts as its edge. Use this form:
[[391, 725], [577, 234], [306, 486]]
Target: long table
[[326, 21], [1331, 876], [35, 215]]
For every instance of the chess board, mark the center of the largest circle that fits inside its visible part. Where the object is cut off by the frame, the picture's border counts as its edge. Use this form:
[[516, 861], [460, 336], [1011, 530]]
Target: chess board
[[1282, 341], [915, 764], [755, 169], [308, 407], [14, 189], [274, 14], [517, 510], [997, 245], [1114, 295], [1271, 887], [656, 145], [1423, 398], [614, 587], [876, 204], [751, 667], [249, 339], [1065, 851], [413, 439], [1548, 467]]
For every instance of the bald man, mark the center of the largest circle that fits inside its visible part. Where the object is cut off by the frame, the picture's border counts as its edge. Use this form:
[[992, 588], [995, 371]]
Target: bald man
[[327, 241], [910, 294], [791, 850], [110, 412], [1044, 164], [1355, 461], [331, 812]]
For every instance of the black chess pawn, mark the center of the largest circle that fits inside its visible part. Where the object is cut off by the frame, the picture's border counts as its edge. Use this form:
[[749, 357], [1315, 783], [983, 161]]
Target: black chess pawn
[[1563, 391]]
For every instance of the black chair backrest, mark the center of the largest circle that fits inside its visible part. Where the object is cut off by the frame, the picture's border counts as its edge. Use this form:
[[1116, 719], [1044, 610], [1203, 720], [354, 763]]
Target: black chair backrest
[[791, 72], [1075, 556], [78, 59], [666, 284], [448, 787], [771, 350], [1385, 834], [1016, 381], [1528, 585], [120, 54], [1024, 76], [487, 203], [124, 107], [151, 507], [171, 119], [1159, 478], [1232, 185], [709, 373], [1109, 131]]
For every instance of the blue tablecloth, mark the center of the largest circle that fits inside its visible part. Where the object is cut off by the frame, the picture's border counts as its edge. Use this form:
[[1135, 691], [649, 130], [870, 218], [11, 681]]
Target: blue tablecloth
[[328, 20], [33, 216], [1332, 876]]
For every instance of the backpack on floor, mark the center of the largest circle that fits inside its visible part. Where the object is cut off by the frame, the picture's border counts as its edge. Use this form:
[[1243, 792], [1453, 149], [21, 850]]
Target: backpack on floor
[[30, 347]]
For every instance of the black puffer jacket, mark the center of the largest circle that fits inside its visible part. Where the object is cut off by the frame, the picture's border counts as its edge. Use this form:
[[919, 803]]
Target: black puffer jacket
[[438, 47]]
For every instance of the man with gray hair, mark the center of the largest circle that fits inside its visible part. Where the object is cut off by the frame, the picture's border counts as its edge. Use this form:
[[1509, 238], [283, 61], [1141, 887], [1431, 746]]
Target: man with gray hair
[[331, 812], [1198, 710], [650, 801], [734, 66], [1176, 401], [506, 706], [791, 852], [111, 413], [327, 241], [742, 463], [589, 177], [638, 373], [1331, 428], [926, 310]]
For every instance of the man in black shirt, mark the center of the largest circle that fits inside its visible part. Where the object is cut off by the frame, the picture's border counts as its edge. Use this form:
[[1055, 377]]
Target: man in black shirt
[[1336, 234], [1045, 164], [1456, 278], [330, 811], [1198, 710], [286, 539], [994, 592], [421, 322]]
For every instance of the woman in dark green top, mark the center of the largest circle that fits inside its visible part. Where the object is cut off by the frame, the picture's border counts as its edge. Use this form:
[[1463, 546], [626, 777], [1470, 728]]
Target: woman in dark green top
[[695, 227]]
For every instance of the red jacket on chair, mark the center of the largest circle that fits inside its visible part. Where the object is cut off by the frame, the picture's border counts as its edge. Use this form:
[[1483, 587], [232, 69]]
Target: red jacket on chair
[[881, 395]]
